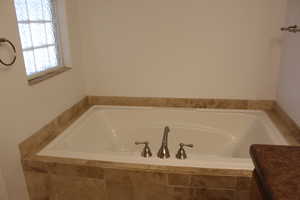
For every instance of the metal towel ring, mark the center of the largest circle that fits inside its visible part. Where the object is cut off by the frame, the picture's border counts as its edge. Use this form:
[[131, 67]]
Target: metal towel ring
[[291, 29], [3, 40]]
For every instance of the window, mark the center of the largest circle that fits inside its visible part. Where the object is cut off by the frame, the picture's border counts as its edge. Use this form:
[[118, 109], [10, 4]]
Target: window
[[38, 30]]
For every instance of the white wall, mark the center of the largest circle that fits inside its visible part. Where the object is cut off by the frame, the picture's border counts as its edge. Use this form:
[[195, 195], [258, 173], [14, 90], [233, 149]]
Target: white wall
[[23, 108], [289, 95], [175, 48], [3, 191]]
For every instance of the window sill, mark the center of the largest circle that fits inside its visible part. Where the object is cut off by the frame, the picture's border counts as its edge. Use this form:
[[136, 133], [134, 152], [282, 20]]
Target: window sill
[[47, 75]]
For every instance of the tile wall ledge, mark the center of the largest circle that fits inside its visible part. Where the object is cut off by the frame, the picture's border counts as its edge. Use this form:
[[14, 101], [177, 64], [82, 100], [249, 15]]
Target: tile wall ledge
[[182, 102]]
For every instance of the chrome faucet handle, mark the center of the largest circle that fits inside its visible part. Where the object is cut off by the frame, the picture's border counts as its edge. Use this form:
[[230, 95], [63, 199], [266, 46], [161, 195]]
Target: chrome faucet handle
[[146, 153], [181, 154]]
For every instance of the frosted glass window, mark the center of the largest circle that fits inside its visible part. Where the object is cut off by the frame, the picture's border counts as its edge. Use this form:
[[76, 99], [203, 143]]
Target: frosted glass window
[[35, 9], [21, 9], [47, 7], [25, 35], [39, 35], [50, 33], [29, 62], [41, 59], [53, 56]]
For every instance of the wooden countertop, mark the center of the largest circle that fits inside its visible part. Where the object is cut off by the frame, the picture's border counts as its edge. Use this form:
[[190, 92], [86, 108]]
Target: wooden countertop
[[278, 170]]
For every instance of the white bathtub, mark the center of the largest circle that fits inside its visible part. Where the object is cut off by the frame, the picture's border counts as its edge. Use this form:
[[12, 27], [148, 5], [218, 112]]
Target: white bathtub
[[221, 138]]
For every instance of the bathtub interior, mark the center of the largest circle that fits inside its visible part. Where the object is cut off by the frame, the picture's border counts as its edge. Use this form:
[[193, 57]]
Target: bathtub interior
[[214, 133]]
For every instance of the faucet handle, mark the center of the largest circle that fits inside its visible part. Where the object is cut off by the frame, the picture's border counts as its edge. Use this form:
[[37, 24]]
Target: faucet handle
[[181, 154], [146, 153], [186, 145]]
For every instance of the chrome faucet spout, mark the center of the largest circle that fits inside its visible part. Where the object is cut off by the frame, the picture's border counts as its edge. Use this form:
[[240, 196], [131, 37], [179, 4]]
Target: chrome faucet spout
[[164, 150], [165, 136]]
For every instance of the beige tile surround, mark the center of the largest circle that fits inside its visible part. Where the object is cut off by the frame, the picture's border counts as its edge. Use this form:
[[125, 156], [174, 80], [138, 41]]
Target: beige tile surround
[[63, 178]]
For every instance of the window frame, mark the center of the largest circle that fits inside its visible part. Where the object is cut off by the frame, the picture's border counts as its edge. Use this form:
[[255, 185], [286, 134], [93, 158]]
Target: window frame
[[55, 21]]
